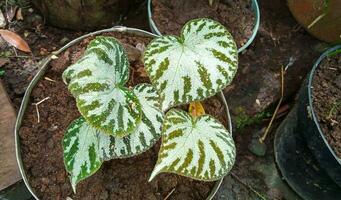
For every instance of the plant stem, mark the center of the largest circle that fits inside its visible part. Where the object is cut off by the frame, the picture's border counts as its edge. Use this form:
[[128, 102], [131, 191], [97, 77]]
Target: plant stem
[[261, 140]]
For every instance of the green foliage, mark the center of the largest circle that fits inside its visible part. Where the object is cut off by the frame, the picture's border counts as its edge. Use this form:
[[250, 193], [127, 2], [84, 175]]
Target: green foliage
[[334, 109], [119, 122], [116, 121], [196, 147], [242, 119], [192, 67], [97, 81], [334, 53]]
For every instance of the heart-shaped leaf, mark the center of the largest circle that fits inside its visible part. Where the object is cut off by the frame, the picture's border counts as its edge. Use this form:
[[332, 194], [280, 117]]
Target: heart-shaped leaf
[[146, 133], [200, 148], [85, 148], [97, 81], [194, 66], [81, 151]]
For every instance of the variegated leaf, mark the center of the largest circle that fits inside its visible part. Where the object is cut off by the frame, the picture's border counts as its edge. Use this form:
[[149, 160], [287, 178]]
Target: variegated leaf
[[194, 66], [146, 133], [81, 151], [200, 148], [97, 81]]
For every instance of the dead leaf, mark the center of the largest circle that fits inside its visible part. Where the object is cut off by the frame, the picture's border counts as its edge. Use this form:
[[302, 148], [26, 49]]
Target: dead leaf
[[15, 40], [142, 72], [196, 109], [10, 13], [2, 20], [133, 53], [19, 16]]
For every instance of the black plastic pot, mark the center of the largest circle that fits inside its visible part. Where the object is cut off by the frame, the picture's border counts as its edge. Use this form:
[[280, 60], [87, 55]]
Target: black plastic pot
[[302, 153]]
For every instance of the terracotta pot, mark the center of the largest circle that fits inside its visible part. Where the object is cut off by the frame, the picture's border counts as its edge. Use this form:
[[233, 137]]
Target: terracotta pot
[[321, 18], [83, 14]]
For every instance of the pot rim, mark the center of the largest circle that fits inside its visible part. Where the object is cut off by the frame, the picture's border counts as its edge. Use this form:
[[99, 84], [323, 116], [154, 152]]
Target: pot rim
[[43, 65], [310, 97], [254, 7]]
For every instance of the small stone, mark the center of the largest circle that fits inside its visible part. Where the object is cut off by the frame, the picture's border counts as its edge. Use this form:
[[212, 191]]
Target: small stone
[[258, 102], [257, 148]]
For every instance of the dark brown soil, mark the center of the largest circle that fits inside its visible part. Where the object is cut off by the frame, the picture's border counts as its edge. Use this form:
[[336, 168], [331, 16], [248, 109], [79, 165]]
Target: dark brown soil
[[327, 100], [235, 15], [117, 179]]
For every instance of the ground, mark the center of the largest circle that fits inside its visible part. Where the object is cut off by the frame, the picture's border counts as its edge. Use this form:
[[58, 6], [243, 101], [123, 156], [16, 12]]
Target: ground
[[252, 96]]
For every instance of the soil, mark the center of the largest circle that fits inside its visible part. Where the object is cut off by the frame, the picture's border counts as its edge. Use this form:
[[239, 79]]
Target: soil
[[327, 100], [117, 179], [235, 15]]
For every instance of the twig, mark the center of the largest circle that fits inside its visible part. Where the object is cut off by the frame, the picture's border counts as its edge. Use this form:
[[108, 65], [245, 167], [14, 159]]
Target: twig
[[317, 19], [332, 68], [261, 140], [41, 101], [37, 109], [169, 194], [248, 186], [49, 79], [15, 51], [38, 115]]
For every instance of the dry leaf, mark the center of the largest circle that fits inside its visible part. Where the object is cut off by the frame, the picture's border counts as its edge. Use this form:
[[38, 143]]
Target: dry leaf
[[133, 53], [15, 40], [196, 109], [19, 16], [142, 72], [10, 13], [2, 20]]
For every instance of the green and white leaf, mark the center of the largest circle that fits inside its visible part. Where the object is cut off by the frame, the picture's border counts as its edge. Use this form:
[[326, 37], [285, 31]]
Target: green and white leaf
[[200, 148], [97, 82], [145, 135], [81, 151], [194, 66]]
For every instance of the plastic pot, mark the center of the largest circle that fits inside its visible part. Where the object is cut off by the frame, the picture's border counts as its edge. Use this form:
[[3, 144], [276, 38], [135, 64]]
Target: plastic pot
[[83, 15], [254, 6], [44, 66], [321, 18], [302, 153]]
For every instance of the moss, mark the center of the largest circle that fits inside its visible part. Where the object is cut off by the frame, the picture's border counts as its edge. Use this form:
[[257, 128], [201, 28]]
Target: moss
[[333, 109], [243, 119]]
